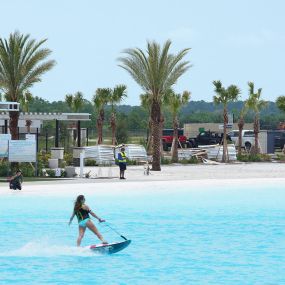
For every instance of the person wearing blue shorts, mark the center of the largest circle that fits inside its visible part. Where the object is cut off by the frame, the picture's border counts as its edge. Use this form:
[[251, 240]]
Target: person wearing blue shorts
[[82, 211]]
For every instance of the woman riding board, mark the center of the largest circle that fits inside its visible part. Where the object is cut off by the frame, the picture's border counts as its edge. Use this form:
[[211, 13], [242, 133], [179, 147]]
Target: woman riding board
[[82, 211]]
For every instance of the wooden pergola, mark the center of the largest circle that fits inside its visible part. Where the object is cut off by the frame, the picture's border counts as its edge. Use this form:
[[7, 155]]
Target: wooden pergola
[[77, 117]]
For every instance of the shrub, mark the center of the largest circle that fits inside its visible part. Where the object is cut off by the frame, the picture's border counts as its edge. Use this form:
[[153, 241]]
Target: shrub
[[183, 161], [265, 157], [4, 168], [62, 163], [27, 169], [193, 160], [51, 172], [43, 159], [242, 157], [280, 157], [253, 157], [131, 162], [68, 158], [165, 161], [90, 162]]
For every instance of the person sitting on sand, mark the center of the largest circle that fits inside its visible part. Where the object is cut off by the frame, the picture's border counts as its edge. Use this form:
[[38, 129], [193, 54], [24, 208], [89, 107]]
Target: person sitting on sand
[[16, 181], [82, 211]]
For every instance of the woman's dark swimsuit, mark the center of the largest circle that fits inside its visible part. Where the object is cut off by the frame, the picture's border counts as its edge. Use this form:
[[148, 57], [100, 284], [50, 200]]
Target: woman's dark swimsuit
[[83, 217]]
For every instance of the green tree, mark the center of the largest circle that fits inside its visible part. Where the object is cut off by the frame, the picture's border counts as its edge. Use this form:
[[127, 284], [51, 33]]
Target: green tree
[[174, 103], [100, 100], [122, 133], [75, 103], [224, 96], [115, 97], [22, 63], [156, 71], [256, 104], [280, 102]]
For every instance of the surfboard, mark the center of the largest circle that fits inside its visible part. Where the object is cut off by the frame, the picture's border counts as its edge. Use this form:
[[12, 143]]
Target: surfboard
[[110, 247]]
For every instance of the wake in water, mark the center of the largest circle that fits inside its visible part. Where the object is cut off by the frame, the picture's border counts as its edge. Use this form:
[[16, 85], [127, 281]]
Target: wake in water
[[40, 249]]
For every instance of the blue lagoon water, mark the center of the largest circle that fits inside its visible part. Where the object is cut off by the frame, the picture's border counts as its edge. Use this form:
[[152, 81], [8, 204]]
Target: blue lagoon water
[[179, 236]]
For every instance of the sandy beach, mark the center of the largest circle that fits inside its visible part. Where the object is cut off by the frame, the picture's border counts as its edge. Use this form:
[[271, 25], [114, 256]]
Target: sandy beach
[[192, 176]]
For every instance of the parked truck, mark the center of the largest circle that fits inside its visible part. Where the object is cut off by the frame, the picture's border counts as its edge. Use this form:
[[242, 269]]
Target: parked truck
[[206, 138], [167, 138], [247, 138]]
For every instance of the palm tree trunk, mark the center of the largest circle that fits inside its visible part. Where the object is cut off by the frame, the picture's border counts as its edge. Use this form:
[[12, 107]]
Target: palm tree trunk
[[13, 124], [174, 147], [113, 128], [149, 138], [225, 157], [156, 132], [99, 129], [28, 125], [256, 132], [161, 131], [100, 122], [240, 128]]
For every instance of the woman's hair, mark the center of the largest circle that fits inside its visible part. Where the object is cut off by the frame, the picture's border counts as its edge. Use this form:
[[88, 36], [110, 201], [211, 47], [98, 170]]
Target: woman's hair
[[78, 202]]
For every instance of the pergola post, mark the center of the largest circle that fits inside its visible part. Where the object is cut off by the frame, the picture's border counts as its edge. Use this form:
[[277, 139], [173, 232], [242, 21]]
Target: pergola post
[[78, 134], [6, 126], [56, 144]]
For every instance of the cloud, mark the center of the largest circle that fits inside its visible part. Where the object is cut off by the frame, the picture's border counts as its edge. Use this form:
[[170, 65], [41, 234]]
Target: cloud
[[261, 38]]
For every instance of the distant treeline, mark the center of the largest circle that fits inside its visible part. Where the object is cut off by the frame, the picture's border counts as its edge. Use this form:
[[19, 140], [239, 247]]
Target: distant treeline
[[136, 117]]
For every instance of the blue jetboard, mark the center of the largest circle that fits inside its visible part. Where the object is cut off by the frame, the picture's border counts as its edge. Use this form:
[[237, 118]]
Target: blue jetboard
[[110, 248]]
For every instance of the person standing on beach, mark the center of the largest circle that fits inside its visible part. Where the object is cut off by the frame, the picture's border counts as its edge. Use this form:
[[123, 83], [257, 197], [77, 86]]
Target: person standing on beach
[[122, 158], [82, 211]]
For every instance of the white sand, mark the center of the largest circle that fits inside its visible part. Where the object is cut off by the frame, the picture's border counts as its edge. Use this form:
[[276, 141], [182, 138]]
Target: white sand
[[193, 177]]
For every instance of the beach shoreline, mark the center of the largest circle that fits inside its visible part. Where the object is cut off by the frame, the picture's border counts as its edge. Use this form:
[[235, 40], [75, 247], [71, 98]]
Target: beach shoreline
[[171, 177]]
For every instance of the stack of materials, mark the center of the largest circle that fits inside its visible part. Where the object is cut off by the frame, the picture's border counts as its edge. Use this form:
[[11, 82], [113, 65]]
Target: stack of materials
[[103, 154], [134, 152], [193, 152], [216, 152]]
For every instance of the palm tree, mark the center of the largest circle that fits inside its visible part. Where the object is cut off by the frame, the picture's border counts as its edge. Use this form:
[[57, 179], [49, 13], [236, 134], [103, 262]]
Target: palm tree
[[175, 102], [256, 104], [22, 63], [156, 71], [25, 101], [224, 96], [75, 103], [100, 100], [115, 97]]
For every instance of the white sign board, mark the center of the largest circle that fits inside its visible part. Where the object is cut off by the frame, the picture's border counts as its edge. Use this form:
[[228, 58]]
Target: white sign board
[[22, 151], [57, 172], [30, 137], [4, 138], [229, 126]]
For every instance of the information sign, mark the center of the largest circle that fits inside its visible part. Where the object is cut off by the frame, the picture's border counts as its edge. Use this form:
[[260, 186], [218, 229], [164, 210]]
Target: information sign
[[22, 151]]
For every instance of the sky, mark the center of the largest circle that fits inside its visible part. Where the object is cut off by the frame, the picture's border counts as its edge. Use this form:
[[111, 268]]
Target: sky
[[231, 41]]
